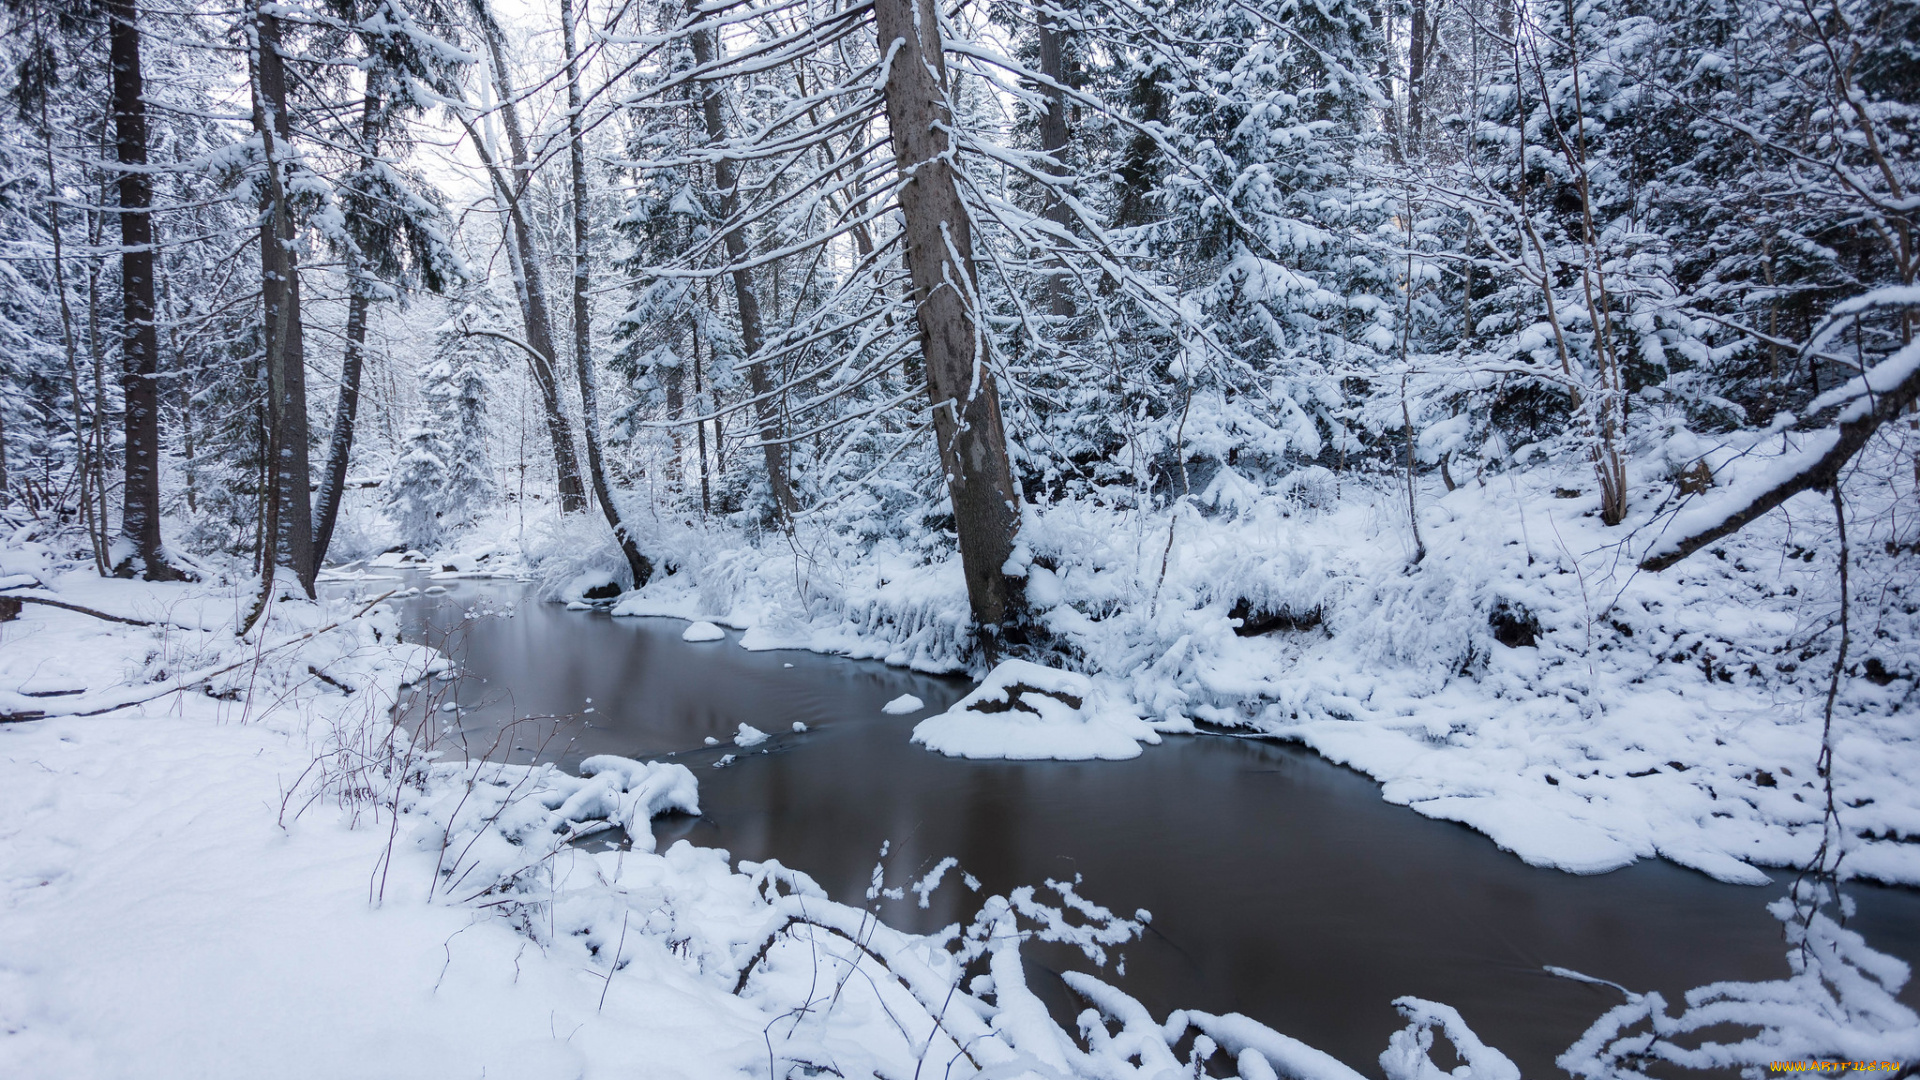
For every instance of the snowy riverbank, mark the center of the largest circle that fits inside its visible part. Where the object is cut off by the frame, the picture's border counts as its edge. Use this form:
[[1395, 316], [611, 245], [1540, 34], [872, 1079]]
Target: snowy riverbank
[[1524, 678], [254, 873]]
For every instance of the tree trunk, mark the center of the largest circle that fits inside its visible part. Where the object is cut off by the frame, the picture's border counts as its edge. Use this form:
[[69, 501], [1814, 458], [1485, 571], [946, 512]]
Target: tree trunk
[[1416, 73], [1390, 115], [140, 341], [530, 283], [1053, 143], [638, 564], [1815, 468], [701, 407], [292, 534], [674, 381], [939, 244], [340, 448], [765, 409]]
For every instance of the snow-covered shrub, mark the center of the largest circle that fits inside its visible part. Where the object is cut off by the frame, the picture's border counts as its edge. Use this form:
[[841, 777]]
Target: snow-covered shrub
[[565, 547], [1840, 1004], [416, 494]]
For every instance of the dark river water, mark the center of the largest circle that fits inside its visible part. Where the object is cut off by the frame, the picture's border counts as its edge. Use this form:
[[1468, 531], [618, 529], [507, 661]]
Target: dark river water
[[1281, 886]]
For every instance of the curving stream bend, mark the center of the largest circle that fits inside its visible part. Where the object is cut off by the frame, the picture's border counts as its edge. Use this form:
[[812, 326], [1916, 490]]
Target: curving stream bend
[[1281, 886]]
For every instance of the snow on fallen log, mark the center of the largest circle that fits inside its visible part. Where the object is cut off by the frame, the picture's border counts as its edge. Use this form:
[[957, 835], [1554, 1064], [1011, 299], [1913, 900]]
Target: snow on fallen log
[[1023, 711], [18, 706], [1866, 402]]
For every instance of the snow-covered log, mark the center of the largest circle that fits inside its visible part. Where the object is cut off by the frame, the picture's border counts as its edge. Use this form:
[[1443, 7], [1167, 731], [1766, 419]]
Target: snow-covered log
[[1868, 401]]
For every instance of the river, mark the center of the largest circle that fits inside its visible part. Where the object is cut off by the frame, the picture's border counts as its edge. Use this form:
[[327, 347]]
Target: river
[[1281, 886]]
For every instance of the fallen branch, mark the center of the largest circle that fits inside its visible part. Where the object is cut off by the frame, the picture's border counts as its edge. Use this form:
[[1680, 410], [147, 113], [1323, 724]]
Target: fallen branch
[[766, 946], [48, 601], [139, 695], [28, 598], [1870, 400]]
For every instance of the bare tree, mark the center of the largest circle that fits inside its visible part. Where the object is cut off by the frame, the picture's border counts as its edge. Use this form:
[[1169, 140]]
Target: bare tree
[[638, 564], [524, 257], [333, 482], [939, 247], [140, 344], [752, 335], [288, 529]]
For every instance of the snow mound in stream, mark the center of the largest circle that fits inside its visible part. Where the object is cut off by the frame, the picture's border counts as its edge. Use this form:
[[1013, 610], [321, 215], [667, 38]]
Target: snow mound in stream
[[703, 631], [1024, 712]]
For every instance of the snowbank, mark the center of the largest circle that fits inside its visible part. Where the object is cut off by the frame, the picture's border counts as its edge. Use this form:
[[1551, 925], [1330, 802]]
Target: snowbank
[[270, 879], [1523, 679], [1024, 711]]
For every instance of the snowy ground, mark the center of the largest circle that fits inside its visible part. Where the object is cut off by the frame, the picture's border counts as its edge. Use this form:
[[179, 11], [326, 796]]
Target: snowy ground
[[244, 870], [1524, 678]]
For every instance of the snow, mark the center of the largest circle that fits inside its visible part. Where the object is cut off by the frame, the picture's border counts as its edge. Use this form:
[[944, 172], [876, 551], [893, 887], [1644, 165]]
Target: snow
[[749, 736], [1840, 1002], [588, 587], [703, 631], [277, 881], [1672, 715], [1024, 711], [902, 705]]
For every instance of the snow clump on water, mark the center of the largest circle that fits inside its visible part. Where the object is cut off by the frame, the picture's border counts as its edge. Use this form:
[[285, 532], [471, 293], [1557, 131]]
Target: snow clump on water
[[749, 736], [1025, 712], [902, 705], [703, 631]]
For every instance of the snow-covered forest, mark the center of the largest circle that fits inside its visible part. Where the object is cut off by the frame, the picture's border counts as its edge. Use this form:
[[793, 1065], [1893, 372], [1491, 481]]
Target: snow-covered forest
[[1511, 400]]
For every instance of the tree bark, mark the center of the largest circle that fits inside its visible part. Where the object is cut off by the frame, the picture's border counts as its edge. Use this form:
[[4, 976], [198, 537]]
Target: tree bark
[[530, 282], [639, 565], [765, 410], [1813, 473], [140, 340], [292, 533], [1416, 73], [1053, 143], [1390, 116], [340, 448], [939, 244], [701, 406]]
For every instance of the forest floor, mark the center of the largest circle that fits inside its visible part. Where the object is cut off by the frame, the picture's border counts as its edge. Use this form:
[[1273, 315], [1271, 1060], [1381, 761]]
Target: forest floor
[[214, 883]]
